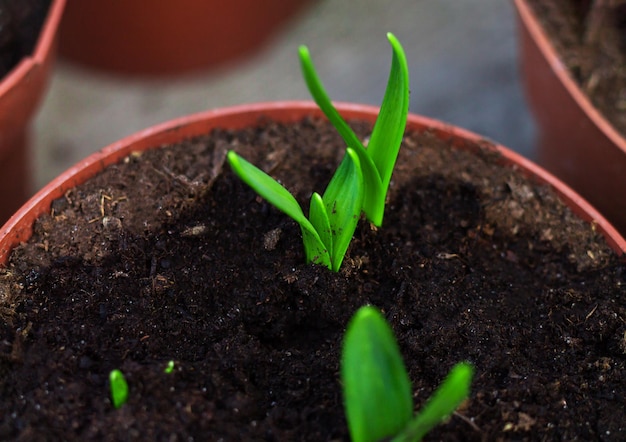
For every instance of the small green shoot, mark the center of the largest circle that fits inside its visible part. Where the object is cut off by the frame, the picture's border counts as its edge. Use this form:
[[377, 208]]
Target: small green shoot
[[361, 181], [333, 217], [442, 403], [119, 388], [169, 368], [379, 158], [377, 390]]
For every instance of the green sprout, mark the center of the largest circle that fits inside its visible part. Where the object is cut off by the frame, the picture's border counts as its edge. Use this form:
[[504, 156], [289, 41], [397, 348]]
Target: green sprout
[[119, 388], [361, 181], [169, 368], [377, 390], [379, 158], [333, 216]]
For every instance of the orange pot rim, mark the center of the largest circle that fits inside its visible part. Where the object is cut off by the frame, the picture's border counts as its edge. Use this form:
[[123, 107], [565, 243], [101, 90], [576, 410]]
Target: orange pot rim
[[548, 51], [19, 227], [41, 50]]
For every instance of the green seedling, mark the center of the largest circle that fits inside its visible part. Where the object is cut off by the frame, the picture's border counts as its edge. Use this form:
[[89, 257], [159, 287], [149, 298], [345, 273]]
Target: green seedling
[[377, 391], [333, 217], [119, 388], [361, 181], [379, 159], [169, 368]]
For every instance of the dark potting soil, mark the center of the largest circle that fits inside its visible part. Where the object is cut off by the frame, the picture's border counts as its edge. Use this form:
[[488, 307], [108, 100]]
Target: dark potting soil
[[20, 25], [592, 44], [168, 256]]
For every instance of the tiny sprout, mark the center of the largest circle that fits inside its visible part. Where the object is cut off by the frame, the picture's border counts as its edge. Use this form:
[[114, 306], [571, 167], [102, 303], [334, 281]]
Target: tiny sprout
[[169, 368], [119, 388], [377, 390], [361, 181]]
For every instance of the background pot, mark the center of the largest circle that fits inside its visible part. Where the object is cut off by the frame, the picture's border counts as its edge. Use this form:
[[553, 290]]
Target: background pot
[[159, 37], [576, 142], [19, 227], [21, 91]]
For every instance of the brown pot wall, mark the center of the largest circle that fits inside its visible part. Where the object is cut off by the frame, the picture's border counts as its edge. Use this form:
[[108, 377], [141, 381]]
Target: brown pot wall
[[19, 227], [21, 91], [161, 37], [576, 142]]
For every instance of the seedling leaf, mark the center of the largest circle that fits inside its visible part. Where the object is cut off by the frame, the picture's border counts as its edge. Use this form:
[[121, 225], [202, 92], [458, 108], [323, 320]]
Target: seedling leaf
[[119, 388], [316, 88], [378, 160], [371, 179], [343, 199], [377, 389], [449, 395], [319, 218], [270, 189], [360, 182], [388, 131], [267, 187]]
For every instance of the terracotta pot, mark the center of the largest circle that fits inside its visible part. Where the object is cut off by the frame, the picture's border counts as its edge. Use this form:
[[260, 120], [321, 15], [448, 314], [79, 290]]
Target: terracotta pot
[[165, 37], [576, 142], [21, 91], [19, 227]]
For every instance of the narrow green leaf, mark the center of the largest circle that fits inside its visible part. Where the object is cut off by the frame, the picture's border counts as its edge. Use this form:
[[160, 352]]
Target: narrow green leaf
[[373, 192], [119, 388], [267, 187], [270, 189], [314, 249], [374, 196], [343, 199], [316, 88], [319, 218], [376, 386], [454, 390], [388, 131]]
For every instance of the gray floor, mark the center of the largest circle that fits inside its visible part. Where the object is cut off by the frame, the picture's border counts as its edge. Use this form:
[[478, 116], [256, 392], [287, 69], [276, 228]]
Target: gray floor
[[462, 59]]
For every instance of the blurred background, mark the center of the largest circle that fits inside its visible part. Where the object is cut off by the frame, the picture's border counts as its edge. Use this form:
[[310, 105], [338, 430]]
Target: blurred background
[[462, 59]]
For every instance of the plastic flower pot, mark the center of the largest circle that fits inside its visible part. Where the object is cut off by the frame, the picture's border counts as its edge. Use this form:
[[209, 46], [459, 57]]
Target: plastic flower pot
[[21, 91], [19, 226], [576, 142], [167, 38]]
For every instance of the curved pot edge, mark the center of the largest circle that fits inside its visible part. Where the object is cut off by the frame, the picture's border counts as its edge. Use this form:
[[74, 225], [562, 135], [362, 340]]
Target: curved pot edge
[[40, 53], [533, 26], [19, 226], [21, 91]]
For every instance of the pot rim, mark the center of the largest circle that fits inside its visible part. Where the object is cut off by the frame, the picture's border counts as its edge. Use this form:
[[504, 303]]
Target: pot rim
[[538, 34], [41, 51], [19, 227]]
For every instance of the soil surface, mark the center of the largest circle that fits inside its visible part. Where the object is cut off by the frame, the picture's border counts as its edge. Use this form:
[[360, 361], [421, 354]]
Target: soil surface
[[20, 24], [169, 256], [592, 44]]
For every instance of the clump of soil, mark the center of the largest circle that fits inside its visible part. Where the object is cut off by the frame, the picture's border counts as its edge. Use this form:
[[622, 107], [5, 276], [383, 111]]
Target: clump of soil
[[20, 25], [168, 256], [590, 36]]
